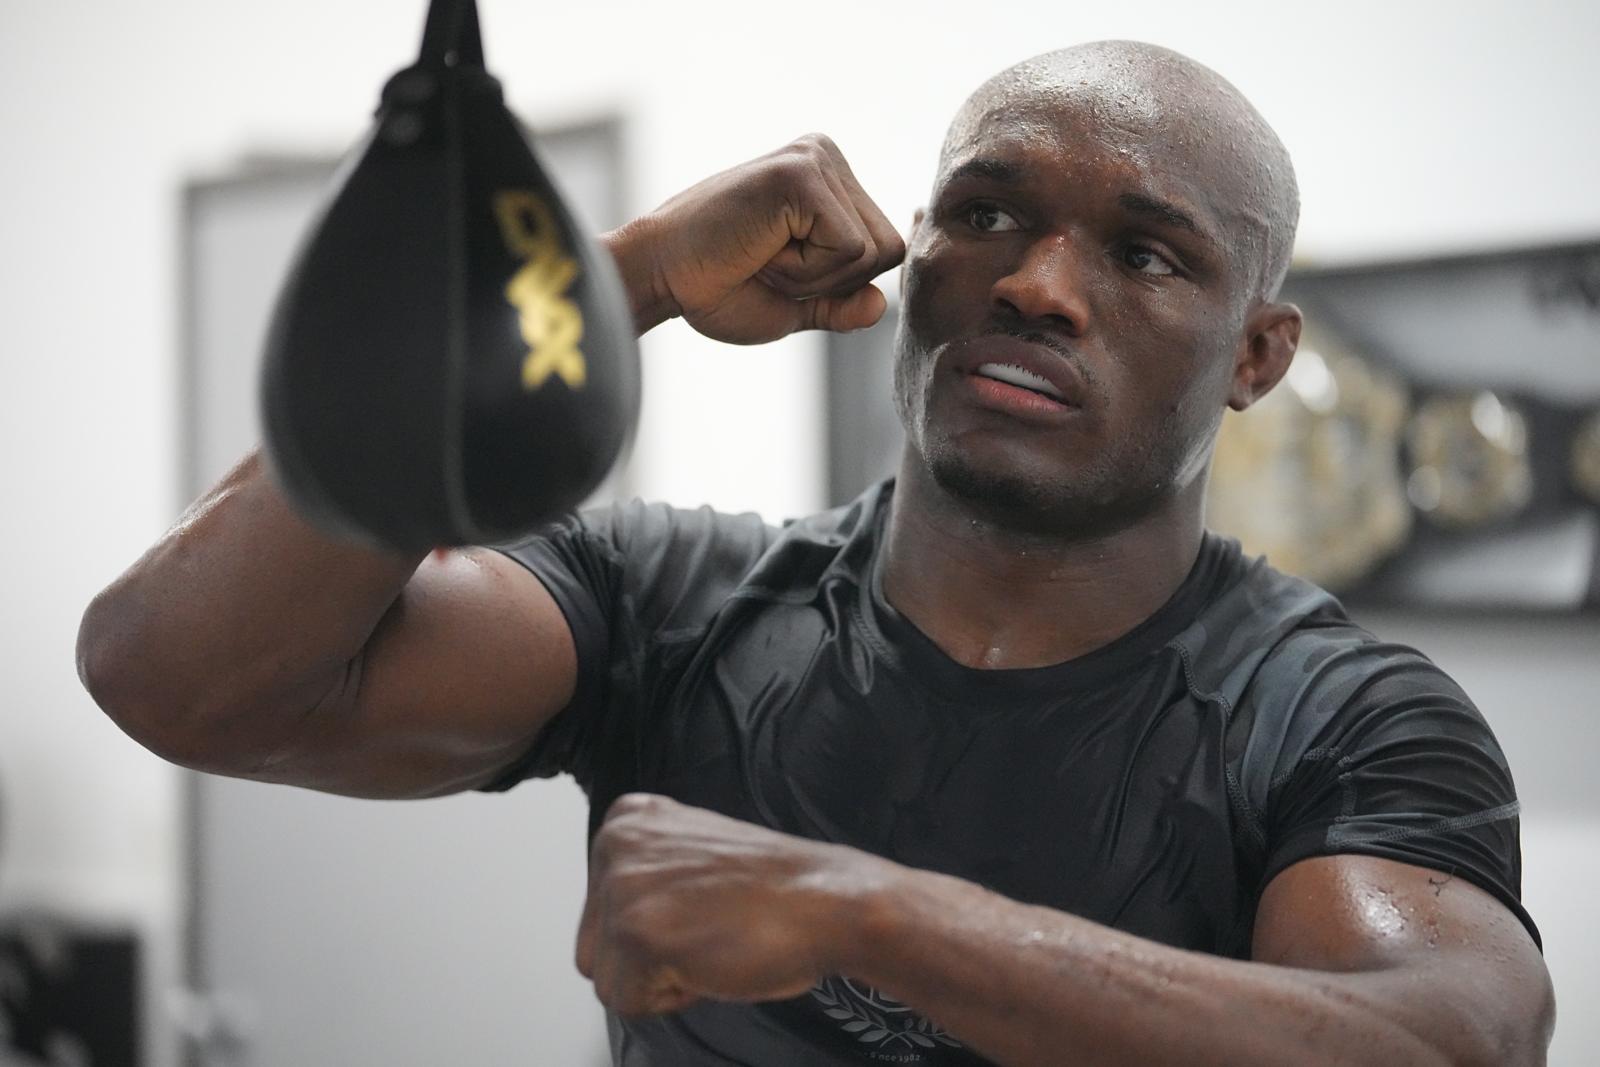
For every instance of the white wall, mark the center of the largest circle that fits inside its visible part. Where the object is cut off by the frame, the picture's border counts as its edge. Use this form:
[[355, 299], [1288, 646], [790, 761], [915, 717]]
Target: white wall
[[1416, 127]]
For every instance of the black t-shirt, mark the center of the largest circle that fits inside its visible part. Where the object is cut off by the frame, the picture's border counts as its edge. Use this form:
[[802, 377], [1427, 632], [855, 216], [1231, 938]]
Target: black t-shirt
[[1154, 785]]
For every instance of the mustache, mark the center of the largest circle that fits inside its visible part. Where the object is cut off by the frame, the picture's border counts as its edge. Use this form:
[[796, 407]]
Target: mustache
[[1053, 341]]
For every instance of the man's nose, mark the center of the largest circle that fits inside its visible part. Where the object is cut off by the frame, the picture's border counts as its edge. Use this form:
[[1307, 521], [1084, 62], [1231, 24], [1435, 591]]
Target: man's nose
[[1049, 283]]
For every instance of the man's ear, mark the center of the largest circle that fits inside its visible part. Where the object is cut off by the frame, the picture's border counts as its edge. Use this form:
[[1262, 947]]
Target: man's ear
[[1272, 333]]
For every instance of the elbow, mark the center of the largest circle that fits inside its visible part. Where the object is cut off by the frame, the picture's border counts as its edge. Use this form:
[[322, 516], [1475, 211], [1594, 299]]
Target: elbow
[[1524, 1040], [1512, 1043], [123, 681], [1518, 1018], [1524, 1048], [1501, 1038], [102, 665], [186, 713]]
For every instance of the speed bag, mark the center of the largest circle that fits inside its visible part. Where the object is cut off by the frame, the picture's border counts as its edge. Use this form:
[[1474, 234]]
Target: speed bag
[[451, 359]]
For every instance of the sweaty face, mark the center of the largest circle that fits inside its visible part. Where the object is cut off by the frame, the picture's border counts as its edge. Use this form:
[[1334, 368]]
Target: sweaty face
[[1072, 309]]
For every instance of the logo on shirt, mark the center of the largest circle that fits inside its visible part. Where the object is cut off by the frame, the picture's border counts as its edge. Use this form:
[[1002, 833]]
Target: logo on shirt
[[880, 1022]]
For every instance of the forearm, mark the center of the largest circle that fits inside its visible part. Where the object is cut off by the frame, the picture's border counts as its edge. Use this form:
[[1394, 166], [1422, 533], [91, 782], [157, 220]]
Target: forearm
[[1028, 985], [242, 602]]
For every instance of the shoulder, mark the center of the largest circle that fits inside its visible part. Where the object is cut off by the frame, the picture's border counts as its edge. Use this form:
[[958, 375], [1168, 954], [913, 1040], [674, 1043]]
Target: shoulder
[[1265, 625], [1257, 617], [1295, 674], [672, 568], [838, 543], [1309, 695], [1333, 693]]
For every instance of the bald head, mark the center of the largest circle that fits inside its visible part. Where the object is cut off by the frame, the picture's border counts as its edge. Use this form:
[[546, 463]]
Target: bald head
[[1161, 110]]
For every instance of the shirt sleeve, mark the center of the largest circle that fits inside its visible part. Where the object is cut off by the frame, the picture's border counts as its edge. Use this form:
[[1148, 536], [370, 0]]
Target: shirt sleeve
[[1397, 763], [624, 575]]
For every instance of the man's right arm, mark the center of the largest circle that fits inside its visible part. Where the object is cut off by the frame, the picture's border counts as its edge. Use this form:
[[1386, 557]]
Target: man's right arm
[[248, 643]]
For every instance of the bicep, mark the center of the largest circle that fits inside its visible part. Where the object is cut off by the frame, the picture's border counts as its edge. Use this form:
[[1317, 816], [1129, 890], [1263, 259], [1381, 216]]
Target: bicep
[[1446, 958], [470, 663]]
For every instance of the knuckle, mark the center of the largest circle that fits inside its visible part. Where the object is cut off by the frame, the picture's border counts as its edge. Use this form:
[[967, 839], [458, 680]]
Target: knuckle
[[806, 161], [816, 143], [791, 165], [613, 846], [632, 935], [640, 923], [605, 843], [624, 883], [632, 804], [799, 187]]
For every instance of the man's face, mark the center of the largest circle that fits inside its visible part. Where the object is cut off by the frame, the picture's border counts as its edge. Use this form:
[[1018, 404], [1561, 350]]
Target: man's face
[[1092, 255]]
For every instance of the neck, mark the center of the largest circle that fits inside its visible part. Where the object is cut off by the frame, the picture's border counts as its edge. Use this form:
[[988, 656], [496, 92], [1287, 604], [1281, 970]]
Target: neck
[[994, 597]]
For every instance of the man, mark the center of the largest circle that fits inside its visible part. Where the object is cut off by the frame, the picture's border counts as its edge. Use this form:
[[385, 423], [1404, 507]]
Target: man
[[1008, 761]]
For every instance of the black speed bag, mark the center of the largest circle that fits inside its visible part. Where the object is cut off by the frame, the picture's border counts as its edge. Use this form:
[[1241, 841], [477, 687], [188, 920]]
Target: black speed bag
[[451, 359]]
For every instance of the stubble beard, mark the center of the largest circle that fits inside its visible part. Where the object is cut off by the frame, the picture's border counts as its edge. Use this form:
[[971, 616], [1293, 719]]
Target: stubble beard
[[1094, 502], [1102, 495]]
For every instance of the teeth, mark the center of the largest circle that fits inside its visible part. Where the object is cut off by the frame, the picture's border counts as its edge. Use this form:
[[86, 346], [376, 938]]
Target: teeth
[[1012, 375]]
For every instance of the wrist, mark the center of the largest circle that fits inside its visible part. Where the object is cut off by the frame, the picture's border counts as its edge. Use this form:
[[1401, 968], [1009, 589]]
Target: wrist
[[632, 248], [862, 908]]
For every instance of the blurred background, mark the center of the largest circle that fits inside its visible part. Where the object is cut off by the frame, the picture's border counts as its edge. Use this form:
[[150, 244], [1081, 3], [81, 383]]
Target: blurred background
[[158, 160]]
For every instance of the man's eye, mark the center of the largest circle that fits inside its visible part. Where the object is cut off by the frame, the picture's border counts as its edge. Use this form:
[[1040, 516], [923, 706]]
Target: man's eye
[[989, 219], [1146, 261]]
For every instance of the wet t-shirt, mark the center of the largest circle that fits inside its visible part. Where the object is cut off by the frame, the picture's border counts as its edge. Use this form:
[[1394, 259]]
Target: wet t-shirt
[[1155, 785]]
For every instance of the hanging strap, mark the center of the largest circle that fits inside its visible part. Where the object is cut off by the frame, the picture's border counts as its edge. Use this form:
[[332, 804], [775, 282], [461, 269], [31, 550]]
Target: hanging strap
[[452, 31]]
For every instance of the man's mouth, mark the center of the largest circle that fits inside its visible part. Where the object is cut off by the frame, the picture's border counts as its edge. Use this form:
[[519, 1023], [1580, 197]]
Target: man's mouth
[[1010, 370], [1012, 374]]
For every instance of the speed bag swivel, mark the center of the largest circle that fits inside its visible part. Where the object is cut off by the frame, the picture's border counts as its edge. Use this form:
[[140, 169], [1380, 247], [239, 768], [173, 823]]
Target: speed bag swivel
[[451, 360]]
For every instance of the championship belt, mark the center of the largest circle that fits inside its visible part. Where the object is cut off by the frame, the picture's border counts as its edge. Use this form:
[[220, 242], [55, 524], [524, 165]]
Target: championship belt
[[1324, 449], [1360, 472]]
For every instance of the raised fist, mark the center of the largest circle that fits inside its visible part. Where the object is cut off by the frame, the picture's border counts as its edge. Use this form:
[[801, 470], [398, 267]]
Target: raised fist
[[785, 242]]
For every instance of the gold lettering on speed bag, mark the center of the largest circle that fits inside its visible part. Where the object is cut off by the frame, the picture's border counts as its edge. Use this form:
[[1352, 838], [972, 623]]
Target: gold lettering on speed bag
[[551, 324]]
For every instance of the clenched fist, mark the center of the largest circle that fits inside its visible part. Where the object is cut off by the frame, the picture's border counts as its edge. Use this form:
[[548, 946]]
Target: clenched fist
[[687, 904], [785, 242]]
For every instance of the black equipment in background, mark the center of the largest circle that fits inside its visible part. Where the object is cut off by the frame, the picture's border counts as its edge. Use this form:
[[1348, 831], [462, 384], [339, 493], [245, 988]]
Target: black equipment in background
[[69, 994]]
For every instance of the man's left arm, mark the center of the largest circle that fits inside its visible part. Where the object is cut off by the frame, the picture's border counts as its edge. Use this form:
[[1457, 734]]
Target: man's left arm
[[1356, 959]]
